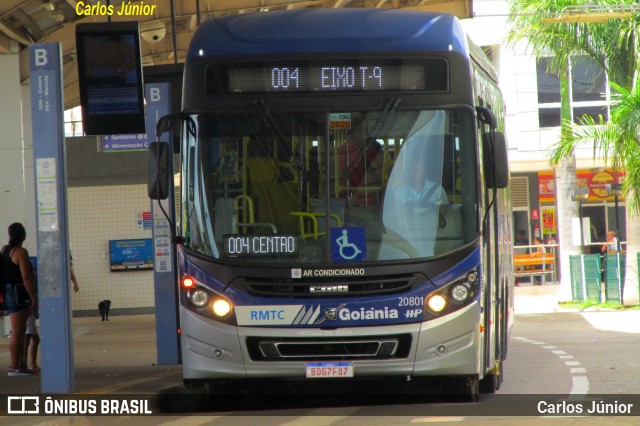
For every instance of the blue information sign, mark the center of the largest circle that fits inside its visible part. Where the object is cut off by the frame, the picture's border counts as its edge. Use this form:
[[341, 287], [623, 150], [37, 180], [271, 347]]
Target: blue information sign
[[131, 255], [135, 142], [157, 97]]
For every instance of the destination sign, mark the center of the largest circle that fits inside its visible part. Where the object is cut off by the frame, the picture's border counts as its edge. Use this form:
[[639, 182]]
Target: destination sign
[[260, 245], [429, 74]]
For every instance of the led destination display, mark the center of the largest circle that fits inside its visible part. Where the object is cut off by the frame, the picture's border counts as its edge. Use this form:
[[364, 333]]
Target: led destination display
[[260, 245], [331, 76]]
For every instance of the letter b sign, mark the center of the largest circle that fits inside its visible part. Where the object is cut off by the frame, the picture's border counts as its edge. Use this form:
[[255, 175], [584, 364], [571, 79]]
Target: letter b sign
[[155, 94], [40, 57]]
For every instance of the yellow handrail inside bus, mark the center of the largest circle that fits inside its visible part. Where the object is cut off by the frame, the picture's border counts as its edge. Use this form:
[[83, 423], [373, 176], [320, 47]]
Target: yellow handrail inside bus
[[247, 210], [313, 219]]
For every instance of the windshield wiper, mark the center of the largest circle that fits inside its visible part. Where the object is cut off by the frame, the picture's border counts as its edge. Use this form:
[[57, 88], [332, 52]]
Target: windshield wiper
[[263, 109]]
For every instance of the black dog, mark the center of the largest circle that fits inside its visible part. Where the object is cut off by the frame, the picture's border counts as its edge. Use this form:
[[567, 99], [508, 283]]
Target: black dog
[[104, 307]]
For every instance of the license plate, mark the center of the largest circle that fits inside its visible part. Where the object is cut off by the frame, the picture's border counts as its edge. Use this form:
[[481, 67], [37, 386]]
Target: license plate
[[320, 370]]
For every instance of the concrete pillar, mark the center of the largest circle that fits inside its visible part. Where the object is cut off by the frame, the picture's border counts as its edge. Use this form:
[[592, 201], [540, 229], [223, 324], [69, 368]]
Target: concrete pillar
[[566, 183]]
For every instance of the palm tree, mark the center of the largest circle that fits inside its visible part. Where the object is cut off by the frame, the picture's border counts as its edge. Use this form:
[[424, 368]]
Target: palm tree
[[617, 142], [614, 45], [557, 41]]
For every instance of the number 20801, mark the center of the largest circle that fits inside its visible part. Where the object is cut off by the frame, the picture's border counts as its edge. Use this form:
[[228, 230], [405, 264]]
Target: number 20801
[[411, 301]]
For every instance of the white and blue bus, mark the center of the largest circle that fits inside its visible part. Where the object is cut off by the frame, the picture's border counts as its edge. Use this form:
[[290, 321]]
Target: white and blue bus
[[345, 206]]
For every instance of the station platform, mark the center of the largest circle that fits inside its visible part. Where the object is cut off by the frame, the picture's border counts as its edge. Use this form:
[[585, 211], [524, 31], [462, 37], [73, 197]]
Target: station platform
[[111, 357], [119, 356]]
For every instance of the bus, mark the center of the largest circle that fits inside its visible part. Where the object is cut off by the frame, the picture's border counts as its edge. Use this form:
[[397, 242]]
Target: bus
[[344, 202]]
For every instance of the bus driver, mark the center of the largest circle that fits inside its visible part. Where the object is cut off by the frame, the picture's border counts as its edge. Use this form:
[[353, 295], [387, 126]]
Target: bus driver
[[417, 186]]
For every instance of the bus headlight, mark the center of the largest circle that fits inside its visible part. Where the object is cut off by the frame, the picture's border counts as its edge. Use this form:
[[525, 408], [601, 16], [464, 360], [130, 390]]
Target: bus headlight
[[460, 293], [453, 296], [221, 308], [436, 303], [199, 298], [202, 300]]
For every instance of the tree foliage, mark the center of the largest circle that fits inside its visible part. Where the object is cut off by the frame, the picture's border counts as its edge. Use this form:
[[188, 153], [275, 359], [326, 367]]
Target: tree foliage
[[615, 141], [614, 45]]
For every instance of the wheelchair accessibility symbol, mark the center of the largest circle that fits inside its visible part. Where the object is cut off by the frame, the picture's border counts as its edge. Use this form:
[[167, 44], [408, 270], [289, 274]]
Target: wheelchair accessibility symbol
[[348, 244]]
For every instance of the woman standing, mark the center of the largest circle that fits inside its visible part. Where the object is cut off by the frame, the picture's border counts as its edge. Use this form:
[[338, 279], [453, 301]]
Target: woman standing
[[17, 271]]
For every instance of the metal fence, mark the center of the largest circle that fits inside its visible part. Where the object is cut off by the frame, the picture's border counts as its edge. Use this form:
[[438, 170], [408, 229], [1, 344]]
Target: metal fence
[[598, 277]]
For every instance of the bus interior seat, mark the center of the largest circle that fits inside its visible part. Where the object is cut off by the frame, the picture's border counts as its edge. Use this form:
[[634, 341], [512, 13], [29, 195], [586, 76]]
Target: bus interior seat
[[275, 193]]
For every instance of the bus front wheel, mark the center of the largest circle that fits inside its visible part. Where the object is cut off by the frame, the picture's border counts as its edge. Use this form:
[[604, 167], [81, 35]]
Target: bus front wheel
[[491, 382], [465, 388]]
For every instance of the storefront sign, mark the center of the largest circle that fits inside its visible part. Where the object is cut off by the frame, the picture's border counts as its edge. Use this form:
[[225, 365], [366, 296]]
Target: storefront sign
[[594, 179], [549, 222]]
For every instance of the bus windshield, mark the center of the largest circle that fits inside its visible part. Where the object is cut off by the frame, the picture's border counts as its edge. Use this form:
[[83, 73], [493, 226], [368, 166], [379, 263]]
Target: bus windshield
[[330, 187]]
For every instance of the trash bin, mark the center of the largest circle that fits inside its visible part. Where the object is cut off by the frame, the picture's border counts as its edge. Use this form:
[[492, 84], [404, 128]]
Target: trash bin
[[585, 277]]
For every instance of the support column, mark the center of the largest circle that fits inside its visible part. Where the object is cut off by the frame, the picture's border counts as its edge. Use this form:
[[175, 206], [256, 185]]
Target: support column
[[566, 183], [53, 237]]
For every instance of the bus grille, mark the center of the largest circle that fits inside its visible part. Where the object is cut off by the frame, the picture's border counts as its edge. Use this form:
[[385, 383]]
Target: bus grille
[[328, 287], [330, 348]]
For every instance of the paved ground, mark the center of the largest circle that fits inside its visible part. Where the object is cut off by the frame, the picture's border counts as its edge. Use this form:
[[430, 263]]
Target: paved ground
[[110, 357], [532, 299], [119, 356]]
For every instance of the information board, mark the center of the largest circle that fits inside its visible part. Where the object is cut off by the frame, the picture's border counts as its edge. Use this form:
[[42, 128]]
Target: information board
[[131, 255]]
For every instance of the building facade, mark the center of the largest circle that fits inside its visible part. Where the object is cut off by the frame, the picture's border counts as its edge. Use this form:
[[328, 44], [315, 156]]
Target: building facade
[[532, 96]]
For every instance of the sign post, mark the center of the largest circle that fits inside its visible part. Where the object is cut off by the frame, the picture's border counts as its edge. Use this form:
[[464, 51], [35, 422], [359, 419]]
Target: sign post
[[47, 108], [165, 275]]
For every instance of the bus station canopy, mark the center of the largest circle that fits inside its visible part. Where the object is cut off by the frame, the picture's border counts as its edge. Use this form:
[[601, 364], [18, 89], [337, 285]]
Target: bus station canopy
[[165, 35]]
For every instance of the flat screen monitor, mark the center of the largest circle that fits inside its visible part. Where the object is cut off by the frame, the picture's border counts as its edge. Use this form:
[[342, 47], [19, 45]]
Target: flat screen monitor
[[131, 255], [110, 78]]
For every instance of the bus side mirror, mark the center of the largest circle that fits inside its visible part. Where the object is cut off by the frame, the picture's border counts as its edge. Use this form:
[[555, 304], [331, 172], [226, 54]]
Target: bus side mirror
[[167, 123], [496, 162], [486, 116], [158, 160], [158, 170]]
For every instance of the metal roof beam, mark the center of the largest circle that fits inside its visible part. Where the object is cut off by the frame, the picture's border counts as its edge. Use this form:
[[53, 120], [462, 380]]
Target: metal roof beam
[[341, 3], [463, 9], [10, 6], [30, 24], [5, 44], [14, 35]]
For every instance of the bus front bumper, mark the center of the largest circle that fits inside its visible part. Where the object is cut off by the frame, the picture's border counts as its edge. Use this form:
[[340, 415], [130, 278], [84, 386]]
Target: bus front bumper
[[445, 346]]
